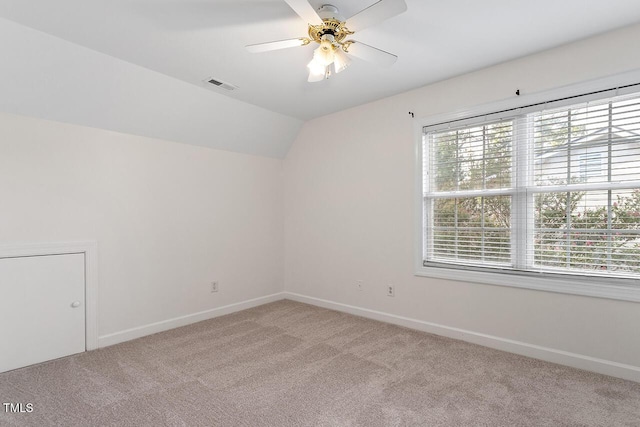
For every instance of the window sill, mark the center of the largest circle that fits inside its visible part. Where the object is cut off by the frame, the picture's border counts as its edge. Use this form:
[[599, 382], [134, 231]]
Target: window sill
[[617, 289]]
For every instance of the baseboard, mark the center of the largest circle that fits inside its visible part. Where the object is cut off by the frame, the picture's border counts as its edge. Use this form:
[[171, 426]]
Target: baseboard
[[165, 325], [601, 366]]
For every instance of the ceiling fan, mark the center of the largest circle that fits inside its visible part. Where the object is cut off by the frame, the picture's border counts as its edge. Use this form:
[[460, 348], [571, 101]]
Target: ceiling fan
[[331, 31]]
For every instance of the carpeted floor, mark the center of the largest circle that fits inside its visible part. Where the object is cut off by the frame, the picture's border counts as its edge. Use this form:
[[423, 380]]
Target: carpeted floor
[[291, 364]]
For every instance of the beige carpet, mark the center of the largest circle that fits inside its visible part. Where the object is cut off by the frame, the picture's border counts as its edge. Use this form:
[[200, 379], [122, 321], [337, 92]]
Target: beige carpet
[[290, 364]]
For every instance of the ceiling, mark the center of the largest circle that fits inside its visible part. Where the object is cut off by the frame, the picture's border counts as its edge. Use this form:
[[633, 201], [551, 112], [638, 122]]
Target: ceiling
[[192, 40]]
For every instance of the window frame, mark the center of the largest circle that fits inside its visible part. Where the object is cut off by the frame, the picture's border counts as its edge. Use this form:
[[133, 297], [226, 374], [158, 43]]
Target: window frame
[[575, 284]]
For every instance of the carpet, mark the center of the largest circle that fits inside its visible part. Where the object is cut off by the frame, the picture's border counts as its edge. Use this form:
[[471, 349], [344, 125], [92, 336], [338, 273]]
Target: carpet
[[293, 364]]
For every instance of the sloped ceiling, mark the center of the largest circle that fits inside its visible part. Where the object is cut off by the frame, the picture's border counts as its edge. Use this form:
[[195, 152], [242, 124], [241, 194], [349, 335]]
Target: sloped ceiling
[[139, 66]]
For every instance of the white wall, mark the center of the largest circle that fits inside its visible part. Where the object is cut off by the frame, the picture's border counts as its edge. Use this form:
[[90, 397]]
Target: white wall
[[168, 217], [349, 213]]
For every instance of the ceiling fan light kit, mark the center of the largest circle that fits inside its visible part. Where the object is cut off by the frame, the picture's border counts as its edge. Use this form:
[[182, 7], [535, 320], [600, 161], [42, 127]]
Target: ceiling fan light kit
[[329, 29], [329, 52]]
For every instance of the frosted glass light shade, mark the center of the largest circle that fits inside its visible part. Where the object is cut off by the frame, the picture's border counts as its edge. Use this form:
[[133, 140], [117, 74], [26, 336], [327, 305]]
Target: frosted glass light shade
[[324, 54], [317, 71], [341, 61]]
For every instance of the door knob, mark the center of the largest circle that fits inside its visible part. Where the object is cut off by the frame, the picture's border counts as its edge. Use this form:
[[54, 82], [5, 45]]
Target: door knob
[[75, 304]]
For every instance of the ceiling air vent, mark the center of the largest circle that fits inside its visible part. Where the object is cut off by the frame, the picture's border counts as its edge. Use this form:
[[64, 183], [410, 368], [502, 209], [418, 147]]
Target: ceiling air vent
[[223, 85]]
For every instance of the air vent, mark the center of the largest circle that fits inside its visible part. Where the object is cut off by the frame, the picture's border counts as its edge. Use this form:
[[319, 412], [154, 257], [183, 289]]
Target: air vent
[[221, 84]]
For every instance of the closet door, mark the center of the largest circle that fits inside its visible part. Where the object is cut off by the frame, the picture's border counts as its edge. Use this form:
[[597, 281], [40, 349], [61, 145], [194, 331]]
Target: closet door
[[42, 308]]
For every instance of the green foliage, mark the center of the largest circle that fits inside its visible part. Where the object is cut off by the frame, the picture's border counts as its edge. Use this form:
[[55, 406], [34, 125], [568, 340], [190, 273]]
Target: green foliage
[[555, 129], [474, 158], [473, 228], [593, 238], [463, 232]]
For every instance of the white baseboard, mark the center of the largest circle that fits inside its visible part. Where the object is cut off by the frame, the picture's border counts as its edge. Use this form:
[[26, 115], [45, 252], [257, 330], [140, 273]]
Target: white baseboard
[[601, 366], [165, 325]]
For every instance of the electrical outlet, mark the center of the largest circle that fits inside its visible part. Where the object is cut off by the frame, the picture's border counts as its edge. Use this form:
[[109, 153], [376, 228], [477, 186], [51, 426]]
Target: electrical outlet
[[214, 286], [360, 285], [391, 290]]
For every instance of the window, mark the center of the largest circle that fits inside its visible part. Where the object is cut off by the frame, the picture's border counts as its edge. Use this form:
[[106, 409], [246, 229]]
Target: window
[[549, 190]]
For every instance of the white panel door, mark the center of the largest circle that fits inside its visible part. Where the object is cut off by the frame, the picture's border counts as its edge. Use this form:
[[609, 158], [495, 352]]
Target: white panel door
[[42, 308]]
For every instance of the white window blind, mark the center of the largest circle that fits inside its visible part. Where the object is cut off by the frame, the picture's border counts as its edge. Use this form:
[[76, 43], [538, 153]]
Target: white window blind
[[551, 188]]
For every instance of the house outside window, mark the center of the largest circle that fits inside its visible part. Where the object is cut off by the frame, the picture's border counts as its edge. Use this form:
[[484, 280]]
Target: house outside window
[[590, 165]]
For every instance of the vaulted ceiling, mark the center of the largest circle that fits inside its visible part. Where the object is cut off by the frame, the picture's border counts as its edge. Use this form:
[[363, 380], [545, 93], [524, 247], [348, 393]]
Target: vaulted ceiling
[[193, 40]]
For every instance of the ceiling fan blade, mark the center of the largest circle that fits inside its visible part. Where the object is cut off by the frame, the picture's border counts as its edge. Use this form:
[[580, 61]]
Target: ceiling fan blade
[[280, 44], [371, 54], [376, 13], [305, 10]]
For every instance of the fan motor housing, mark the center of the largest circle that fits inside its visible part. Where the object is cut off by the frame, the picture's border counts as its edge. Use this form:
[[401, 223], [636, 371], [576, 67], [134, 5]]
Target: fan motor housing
[[333, 24], [328, 11]]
